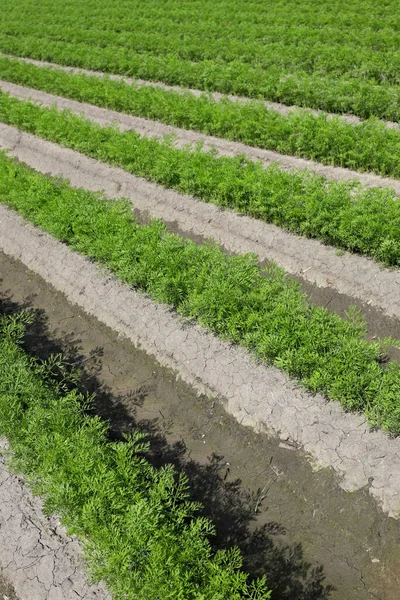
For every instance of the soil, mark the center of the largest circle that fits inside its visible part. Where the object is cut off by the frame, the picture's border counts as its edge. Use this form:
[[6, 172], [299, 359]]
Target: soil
[[312, 539], [379, 325]]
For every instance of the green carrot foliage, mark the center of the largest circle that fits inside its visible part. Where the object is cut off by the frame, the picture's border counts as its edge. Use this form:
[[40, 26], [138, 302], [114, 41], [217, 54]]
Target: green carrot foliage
[[140, 531]]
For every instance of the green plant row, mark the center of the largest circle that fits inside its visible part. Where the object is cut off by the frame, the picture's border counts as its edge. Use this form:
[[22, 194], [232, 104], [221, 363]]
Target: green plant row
[[322, 58], [363, 97], [341, 214], [260, 309], [264, 22], [141, 532], [254, 13], [250, 36], [370, 146]]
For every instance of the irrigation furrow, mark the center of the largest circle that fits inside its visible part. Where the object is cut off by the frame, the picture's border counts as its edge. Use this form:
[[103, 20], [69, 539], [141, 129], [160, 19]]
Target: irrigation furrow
[[257, 396], [183, 137], [349, 274], [279, 107]]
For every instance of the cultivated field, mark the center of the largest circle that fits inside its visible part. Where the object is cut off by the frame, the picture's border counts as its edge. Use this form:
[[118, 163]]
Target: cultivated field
[[218, 184]]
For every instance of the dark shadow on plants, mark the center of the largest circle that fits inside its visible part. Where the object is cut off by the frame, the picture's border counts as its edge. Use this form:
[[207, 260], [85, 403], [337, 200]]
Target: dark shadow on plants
[[232, 509]]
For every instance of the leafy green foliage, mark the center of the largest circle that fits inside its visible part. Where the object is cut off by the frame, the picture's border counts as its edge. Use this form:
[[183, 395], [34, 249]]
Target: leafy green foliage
[[261, 309], [341, 58], [139, 528], [345, 215], [370, 146]]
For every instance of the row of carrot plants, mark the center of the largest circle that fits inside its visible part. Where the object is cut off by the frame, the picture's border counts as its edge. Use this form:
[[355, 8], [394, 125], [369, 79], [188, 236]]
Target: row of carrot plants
[[338, 59], [142, 535], [344, 214], [370, 146], [190, 27], [259, 308], [361, 96], [375, 26]]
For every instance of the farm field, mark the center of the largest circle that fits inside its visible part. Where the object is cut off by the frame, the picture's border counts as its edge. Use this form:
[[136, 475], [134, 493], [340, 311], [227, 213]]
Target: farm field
[[218, 185], [131, 388]]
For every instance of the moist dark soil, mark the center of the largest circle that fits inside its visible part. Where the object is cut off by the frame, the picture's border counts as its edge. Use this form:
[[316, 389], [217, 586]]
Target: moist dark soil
[[312, 540]]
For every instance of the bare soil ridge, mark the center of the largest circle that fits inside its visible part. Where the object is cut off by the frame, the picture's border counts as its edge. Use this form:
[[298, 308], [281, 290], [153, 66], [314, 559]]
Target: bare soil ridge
[[183, 137], [261, 397], [356, 276]]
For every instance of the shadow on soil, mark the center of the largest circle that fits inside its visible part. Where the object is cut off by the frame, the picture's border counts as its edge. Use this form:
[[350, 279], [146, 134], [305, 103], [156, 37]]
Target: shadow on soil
[[232, 509]]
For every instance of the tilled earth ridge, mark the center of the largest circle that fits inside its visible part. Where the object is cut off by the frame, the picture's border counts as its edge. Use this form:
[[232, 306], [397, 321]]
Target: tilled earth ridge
[[283, 109], [36, 554], [261, 397], [183, 137], [282, 514], [355, 276]]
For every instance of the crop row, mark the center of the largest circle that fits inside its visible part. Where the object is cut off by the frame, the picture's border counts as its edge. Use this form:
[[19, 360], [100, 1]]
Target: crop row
[[345, 214], [364, 98], [308, 57], [294, 21], [252, 36], [142, 534], [370, 146], [261, 309]]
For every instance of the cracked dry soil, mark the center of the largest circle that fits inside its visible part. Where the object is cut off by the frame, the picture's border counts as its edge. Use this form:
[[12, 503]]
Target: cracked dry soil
[[313, 540]]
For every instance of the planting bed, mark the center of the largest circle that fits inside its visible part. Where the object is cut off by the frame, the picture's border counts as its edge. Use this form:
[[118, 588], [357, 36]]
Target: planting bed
[[281, 365], [231, 297], [354, 277]]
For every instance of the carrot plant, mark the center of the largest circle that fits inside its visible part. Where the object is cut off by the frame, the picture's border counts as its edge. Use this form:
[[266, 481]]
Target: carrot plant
[[345, 215], [261, 309], [140, 531]]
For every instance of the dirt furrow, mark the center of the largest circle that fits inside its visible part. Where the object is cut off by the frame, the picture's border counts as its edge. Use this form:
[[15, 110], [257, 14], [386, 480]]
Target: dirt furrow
[[354, 276], [260, 397], [183, 137], [282, 109]]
